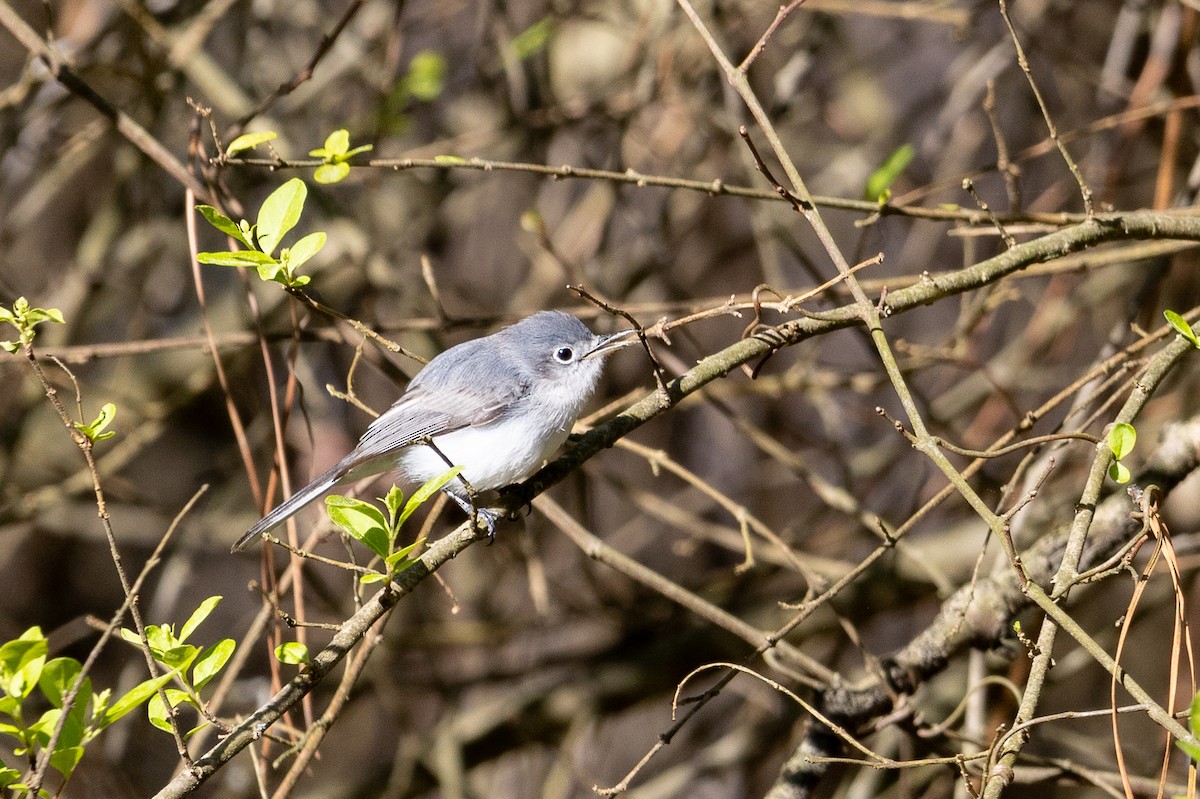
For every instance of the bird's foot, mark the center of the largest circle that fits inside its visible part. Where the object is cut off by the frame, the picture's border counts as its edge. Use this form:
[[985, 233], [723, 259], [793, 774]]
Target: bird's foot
[[489, 516]]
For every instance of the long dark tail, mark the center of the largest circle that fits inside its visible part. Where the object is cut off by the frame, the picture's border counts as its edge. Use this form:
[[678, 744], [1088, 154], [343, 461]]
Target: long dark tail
[[295, 502]]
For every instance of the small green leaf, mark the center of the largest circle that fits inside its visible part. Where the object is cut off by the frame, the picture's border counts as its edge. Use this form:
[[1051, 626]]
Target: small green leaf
[[58, 677], [426, 491], [880, 182], [361, 520], [1119, 472], [136, 696], [224, 224], [198, 616], [94, 430], [21, 663], [248, 141], [293, 653], [1194, 726], [273, 271], [331, 173], [399, 560], [211, 661], [158, 713], [64, 759], [8, 776], [532, 40], [178, 658], [1182, 327], [337, 143], [1192, 751], [426, 75], [394, 501], [279, 213], [305, 249], [372, 577], [240, 258], [1121, 439], [35, 316], [25, 319], [161, 637]]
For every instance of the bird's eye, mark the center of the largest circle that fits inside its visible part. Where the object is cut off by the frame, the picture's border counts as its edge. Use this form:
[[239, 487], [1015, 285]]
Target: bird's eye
[[564, 354]]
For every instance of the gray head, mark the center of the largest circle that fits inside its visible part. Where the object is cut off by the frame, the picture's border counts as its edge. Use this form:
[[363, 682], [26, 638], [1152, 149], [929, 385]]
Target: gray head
[[558, 352]]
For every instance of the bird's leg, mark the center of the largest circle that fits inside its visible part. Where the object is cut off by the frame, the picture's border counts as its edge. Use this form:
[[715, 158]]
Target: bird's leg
[[476, 513]]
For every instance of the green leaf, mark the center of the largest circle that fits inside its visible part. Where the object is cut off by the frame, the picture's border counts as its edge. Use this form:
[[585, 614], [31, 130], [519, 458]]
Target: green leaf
[[426, 75], [426, 491], [65, 759], [273, 271], [241, 258], [337, 143], [279, 213], [1182, 327], [331, 173], [1119, 472], [292, 652], [198, 616], [8, 776], [1192, 751], [72, 732], [35, 316], [161, 637], [1121, 439], [25, 319], [399, 560], [178, 658], [393, 501], [361, 520], [224, 224], [58, 677], [158, 713], [248, 141], [94, 430], [21, 663], [136, 696], [211, 661], [1194, 726], [372, 577], [880, 182], [532, 40], [305, 249]]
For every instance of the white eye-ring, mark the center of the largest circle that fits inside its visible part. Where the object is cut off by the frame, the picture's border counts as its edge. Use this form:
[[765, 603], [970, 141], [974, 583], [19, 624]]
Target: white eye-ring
[[564, 355]]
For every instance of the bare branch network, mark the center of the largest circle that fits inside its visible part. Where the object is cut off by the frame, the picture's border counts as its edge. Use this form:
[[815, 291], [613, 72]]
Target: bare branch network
[[865, 516]]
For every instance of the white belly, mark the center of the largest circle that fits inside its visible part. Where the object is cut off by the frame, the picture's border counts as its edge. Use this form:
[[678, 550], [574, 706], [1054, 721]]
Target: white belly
[[494, 455]]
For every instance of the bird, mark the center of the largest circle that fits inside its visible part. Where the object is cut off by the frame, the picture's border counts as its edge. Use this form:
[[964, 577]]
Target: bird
[[498, 406]]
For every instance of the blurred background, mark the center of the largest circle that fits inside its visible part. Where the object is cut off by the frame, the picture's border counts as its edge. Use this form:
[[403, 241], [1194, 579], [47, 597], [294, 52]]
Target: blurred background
[[532, 670]]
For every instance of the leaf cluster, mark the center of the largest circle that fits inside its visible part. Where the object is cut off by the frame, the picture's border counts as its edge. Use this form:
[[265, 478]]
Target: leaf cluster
[[192, 667]]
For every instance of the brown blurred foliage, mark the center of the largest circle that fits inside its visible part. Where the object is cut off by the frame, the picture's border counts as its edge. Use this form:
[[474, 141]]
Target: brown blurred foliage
[[528, 669]]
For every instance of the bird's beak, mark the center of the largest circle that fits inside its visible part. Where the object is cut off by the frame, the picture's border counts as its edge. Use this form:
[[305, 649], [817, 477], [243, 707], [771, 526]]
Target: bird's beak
[[611, 342]]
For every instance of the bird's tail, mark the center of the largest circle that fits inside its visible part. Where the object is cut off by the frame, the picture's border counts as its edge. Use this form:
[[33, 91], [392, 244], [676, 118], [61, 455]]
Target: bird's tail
[[295, 502]]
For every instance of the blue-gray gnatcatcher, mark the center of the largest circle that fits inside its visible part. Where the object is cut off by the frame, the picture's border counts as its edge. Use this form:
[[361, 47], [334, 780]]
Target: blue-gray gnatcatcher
[[498, 406]]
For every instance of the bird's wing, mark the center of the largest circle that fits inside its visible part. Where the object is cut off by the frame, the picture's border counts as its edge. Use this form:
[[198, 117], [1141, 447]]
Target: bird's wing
[[423, 412]]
